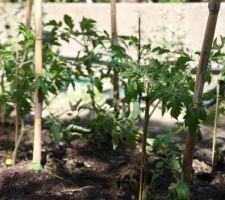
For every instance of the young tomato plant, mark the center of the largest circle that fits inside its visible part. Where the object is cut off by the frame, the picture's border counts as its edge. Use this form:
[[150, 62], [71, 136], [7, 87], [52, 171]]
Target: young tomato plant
[[168, 155]]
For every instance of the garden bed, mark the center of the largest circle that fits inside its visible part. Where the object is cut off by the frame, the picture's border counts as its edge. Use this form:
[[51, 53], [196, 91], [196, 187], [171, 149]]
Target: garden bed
[[91, 169]]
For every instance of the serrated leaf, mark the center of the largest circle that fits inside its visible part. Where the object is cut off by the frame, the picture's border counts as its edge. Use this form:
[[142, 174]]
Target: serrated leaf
[[191, 119], [176, 108], [69, 21]]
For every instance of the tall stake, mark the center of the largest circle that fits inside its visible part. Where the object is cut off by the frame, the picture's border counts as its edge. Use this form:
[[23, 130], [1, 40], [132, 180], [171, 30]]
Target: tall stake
[[139, 40], [17, 124], [116, 96], [38, 96], [28, 13], [215, 125], [213, 6]]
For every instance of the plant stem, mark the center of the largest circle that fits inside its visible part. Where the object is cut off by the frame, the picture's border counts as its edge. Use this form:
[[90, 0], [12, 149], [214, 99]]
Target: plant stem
[[92, 92], [22, 130], [144, 159], [215, 125], [115, 80], [214, 6], [38, 98], [143, 175], [24, 62]]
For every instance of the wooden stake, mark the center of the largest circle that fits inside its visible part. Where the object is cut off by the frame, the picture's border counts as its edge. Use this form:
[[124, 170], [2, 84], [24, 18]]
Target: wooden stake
[[38, 96], [116, 87], [214, 6]]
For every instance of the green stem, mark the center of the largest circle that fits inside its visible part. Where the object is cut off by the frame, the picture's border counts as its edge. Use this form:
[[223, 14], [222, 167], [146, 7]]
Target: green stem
[[22, 130], [92, 93], [144, 158], [142, 188]]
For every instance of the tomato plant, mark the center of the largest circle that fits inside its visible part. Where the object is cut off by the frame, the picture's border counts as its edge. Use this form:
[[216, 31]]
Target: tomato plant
[[158, 77]]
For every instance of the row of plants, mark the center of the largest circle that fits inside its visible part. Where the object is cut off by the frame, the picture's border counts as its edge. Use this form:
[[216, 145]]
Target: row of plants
[[156, 77]]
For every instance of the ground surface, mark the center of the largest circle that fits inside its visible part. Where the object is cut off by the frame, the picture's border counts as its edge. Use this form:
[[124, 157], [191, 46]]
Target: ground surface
[[91, 170]]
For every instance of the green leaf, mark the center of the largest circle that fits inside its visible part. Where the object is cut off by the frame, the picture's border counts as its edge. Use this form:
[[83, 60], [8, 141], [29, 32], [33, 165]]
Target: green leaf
[[182, 190], [56, 133], [176, 107], [69, 22], [108, 124], [77, 129], [52, 23], [182, 61], [191, 119], [150, 141], [160, 50], [115, 140], [98, 84], [162, 142], [88, 26], [131, 141], [135, 110], [175, 165]]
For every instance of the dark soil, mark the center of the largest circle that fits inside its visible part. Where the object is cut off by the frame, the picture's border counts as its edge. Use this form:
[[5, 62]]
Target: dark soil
[[92, 170]]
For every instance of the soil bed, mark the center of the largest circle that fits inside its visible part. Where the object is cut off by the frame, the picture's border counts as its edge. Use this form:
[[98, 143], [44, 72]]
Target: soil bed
[[92, 170]]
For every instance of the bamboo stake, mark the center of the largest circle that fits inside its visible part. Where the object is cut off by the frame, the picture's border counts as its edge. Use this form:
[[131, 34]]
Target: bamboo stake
[[215, 125], [213, 6], [28, 13], [116, 97], [38, 96], [2, 107], [139, 40], [17, 123]]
